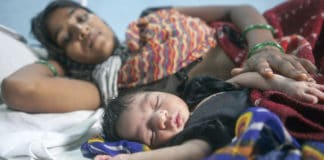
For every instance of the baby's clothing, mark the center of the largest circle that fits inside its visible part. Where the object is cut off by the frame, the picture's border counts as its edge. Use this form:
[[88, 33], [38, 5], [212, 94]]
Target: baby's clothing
[[214, 119]]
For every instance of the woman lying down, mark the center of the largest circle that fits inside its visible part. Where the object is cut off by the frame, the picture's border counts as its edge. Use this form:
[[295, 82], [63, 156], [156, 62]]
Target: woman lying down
[[164, 122]]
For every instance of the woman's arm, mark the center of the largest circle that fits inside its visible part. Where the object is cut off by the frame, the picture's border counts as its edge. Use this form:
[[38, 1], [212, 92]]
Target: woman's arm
[[191, 150], [265, 60], [302, 90], [34, 89]]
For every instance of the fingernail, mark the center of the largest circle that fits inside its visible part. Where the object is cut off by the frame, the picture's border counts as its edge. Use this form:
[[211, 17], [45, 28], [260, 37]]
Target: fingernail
[[267, 70], [303, 76]]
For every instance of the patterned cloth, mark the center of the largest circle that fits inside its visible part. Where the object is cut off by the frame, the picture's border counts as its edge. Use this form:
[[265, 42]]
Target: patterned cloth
[[98, 145], [162, 43], [261, 135]]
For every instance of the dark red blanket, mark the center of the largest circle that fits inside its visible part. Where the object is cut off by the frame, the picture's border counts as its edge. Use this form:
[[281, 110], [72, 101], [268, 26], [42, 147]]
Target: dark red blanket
[[303, 17], [298, 25]]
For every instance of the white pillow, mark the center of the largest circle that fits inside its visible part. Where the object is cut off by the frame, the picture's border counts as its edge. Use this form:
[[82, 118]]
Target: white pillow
[[13, 55]]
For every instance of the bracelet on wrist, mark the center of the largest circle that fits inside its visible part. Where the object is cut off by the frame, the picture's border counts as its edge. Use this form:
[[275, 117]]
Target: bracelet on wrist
[[258, 26], [261, 45], [50, 67]]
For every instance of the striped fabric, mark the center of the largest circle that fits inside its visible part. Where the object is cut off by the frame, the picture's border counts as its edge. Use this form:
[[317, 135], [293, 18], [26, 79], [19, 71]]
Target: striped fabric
[[161, 44]]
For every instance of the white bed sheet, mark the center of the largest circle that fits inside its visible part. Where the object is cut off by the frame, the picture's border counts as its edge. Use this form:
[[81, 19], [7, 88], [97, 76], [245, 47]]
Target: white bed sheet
[[45, 136]]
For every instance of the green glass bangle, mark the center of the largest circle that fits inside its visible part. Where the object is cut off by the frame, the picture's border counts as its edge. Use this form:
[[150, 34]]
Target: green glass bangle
[[50, 67], [258, 26], [259, 46]]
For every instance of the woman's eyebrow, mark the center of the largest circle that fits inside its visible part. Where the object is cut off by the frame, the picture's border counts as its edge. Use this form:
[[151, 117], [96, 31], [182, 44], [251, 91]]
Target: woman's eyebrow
[[58, 30]]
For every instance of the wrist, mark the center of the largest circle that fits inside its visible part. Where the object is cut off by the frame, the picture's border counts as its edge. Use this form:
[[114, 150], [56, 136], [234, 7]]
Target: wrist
[[264, 45], [257, 27], [268, 48]]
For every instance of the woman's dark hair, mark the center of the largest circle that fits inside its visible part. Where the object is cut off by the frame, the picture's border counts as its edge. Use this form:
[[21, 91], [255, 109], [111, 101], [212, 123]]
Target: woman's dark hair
[[112, 113], [40, 31], [39, 22]]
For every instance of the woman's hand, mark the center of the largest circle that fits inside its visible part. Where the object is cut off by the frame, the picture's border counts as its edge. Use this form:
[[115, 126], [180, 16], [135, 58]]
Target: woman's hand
[[266, 62]]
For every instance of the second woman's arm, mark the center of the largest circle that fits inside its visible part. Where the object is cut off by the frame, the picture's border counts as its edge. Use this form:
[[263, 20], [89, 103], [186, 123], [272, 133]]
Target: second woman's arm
[[266, 60], [34, 89]]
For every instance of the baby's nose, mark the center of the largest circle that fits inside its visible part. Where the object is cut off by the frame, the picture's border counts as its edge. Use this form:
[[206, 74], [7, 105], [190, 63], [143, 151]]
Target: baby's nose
[[162, 119]]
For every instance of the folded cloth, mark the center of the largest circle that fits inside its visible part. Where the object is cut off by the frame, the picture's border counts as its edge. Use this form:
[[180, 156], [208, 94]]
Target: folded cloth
[[98, 145], [261, 135], [45, 136], [303, 120], [105, 75]]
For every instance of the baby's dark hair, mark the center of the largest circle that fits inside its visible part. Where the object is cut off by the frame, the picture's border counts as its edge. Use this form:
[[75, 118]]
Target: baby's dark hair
[[112, 113]]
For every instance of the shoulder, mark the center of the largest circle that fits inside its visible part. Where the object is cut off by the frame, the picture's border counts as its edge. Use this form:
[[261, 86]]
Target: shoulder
[[149, 10]]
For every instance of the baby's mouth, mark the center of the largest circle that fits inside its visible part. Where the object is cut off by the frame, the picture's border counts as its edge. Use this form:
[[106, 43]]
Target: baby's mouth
[[178, 120]]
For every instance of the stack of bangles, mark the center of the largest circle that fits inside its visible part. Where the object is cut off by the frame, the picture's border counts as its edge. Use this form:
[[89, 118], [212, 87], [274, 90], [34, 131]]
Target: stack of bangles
[[261, 45]]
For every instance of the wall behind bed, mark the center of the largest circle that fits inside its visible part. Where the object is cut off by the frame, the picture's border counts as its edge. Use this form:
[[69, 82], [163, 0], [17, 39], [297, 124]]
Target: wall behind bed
[[16, 14]]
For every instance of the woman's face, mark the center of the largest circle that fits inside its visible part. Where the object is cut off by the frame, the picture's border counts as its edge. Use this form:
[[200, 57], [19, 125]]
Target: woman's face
[[83, 36], [153, 118]]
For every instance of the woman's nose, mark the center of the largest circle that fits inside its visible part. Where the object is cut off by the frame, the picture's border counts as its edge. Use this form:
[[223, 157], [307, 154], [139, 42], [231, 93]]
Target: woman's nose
[[80, 31]]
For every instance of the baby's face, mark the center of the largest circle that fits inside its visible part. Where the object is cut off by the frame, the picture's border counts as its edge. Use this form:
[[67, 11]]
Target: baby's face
[[153, 118]]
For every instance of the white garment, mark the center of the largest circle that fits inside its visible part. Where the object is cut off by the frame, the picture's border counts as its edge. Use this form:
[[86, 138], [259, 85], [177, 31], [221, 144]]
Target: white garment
[[106, 76], [46, 136]]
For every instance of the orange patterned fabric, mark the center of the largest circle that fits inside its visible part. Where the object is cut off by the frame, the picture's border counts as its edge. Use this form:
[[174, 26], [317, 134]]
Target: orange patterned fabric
[[162, 43]]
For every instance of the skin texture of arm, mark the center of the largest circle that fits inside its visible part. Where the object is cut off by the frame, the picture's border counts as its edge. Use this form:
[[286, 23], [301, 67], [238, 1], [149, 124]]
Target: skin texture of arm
[[302, 90], [190, 150], [266, 60], [34, 89]]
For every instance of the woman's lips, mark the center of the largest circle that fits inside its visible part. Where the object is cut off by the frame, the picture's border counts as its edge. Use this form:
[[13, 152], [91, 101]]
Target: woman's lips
[[92, 39]]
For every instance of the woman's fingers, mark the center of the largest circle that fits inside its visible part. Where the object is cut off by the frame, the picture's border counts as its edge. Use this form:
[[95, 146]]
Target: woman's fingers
[[263, 68], [266, 63], [236, 71], [289, 70], [308, 65]]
